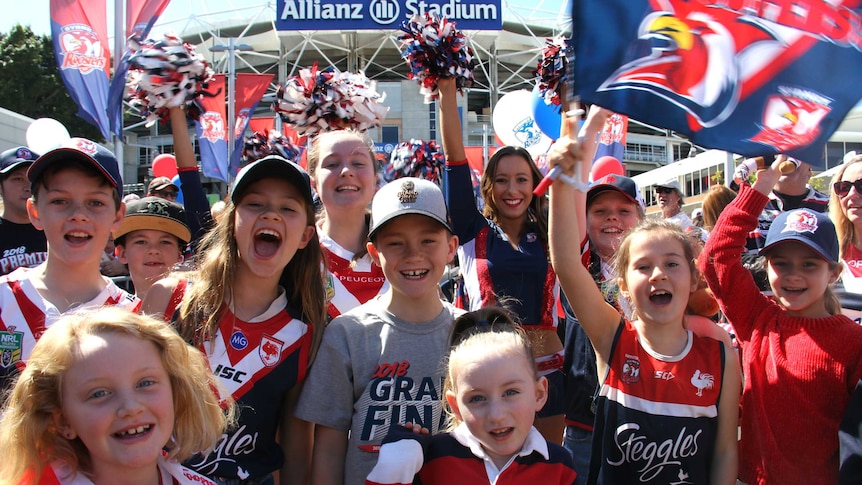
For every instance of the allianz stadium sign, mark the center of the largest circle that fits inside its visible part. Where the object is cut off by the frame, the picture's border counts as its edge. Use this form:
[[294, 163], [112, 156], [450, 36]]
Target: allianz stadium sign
[[384, 14]]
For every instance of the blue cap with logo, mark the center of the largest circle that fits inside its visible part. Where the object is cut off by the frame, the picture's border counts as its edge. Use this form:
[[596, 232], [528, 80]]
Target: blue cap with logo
[[812, 229], [83, 150], [16, 157]]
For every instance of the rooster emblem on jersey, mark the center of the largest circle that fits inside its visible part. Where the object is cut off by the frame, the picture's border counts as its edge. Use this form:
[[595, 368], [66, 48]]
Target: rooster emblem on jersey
[[270, 350], [699, 60], [702, 381]]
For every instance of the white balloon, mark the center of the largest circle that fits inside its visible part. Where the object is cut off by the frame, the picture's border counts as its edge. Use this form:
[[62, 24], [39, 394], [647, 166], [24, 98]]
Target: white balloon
[[514, 123], [46, 134]]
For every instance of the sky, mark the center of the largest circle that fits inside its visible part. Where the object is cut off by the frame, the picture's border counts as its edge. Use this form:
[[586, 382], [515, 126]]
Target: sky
[[36, 13]]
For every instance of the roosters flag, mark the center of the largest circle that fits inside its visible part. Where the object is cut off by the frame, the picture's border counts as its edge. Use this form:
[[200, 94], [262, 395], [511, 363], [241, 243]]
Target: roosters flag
[[612, 139], [264, 124], [79, 33], [249, 88], [211, 128], [750, 77], [141, 15]]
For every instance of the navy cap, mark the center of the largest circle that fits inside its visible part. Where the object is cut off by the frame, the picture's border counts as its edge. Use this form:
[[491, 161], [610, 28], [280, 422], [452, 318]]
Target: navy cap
[[16, 157], [84, 150], [272, 166], [620, 183], [813, 229]]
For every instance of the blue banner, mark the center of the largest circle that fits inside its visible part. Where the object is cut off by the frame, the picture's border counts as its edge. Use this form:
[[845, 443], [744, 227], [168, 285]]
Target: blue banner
[[753, 78], [384, 14]]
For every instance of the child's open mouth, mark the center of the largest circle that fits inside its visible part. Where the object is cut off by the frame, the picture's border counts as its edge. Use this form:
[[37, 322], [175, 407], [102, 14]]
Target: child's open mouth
[[660, 297], [501, 434], [415, 274], [78, 237], [266, 243], [133, 432]]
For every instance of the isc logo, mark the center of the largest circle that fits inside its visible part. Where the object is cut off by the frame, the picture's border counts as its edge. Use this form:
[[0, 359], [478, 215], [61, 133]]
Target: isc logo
[[229, 373]]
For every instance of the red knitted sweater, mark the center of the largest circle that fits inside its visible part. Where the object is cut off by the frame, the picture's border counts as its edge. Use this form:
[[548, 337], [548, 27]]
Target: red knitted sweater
[[799, 372]]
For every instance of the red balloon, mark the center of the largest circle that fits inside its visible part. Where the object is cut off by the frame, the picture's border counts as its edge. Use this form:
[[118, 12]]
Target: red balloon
[[165, 165], [606, 165]]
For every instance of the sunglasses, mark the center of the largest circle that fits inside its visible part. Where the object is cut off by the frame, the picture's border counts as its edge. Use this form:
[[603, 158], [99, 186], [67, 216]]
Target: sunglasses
[[166, 194], [663, 190], [842, 188]]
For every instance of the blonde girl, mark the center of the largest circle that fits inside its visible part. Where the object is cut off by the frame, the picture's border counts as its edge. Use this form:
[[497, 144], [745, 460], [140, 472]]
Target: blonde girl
[[256, 308], [667, 406], [493, 392], [343, 171], [103, 394]]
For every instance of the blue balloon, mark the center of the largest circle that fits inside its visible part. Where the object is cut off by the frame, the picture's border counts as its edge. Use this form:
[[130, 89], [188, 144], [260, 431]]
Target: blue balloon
[[176, 181], [548, 117]]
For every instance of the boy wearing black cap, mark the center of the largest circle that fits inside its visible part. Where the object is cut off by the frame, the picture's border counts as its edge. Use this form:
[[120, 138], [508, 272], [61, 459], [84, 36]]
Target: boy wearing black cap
[[151, 240], [379, 364], [21, 244], [76, 191]]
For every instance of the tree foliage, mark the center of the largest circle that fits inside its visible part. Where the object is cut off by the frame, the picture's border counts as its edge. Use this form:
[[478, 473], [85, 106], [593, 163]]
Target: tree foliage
[[30, 82]]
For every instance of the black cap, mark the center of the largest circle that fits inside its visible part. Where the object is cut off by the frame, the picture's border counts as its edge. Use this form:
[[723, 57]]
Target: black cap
[[16, 157]]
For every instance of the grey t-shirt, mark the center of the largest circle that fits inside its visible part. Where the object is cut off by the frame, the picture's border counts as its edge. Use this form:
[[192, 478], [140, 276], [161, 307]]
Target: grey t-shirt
[[374, 369]]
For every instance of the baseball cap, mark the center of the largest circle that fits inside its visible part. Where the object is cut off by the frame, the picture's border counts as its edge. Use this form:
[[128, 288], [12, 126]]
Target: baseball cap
[[161, 183], [83, 150], [272, 166], [408, 195], [14, 158], [619, 183], [813, 229], [672, 184], [156, 214]]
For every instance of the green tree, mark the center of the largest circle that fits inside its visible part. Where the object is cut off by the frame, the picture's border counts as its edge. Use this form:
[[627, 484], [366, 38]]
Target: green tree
[[30, 82]]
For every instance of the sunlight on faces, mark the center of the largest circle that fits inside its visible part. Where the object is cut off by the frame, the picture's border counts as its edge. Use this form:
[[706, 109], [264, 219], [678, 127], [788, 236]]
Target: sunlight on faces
[[609, 216], [413, 251], [121, 408], [513, 187], [799, 278], [495, 391], [345, 176], [658, 278], [150, 254], [15, 190], [851, 204], [272, 223], [78, 213]]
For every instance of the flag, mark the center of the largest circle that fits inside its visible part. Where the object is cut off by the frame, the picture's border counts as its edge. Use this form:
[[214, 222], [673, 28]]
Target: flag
[[211, 129], [141, 15], [249, 89], [266, 124], [79, 34], [754, 78], [612, 138]]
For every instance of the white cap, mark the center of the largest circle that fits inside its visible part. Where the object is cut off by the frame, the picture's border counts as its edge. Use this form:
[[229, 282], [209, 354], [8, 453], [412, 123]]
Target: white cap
[[408, 195]]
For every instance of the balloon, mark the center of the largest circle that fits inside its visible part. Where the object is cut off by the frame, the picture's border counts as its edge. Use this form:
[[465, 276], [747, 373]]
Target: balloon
[[548, 117], [46, 134], [514, 124], [176, 181], [165, 165], [606, 165]]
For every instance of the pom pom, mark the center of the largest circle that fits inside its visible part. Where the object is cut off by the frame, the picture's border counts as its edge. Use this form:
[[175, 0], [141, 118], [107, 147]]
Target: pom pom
[[434, 49], [416, 158], [166, 73], [551, 71], [316, 101], [266, 143]]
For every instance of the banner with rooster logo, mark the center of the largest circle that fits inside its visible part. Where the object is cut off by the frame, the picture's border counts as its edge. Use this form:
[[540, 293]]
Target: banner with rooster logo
[[751, 77], [211, 129]]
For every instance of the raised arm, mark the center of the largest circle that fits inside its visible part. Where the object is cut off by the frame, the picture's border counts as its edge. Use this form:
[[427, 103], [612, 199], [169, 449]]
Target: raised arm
[[598, 319], [450, 122], [195, 201]]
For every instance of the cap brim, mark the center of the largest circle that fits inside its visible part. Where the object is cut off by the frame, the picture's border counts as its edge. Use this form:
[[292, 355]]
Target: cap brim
[[594, 192], [152, 222], [403, 212], [799, 240], [57, 154], [15, 165], [273, 167]]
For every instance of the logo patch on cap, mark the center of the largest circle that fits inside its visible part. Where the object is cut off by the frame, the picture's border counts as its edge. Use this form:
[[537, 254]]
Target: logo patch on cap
[[85, 146], [800, 221], [25, 154], [408, 193], [155, 207]]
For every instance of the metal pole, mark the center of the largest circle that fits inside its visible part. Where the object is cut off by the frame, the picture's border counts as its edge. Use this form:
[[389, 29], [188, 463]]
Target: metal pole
[[119, 49], [231, 87]]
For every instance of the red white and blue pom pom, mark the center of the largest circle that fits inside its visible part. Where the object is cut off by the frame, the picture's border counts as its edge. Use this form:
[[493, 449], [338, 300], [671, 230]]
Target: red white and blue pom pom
[[316, 101], [166, 73], [551, 70], [434, 49], [266, 143], [416, 158]]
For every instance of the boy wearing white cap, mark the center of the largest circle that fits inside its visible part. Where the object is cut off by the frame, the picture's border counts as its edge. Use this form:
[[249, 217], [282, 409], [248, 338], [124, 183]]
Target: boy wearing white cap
[[380, 364]]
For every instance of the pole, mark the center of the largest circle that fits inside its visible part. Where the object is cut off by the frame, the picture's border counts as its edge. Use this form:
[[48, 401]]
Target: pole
[[231, 99], [119, 49]]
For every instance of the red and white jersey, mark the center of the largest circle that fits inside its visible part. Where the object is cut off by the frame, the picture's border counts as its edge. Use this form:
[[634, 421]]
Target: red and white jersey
[[24, 315], [170, 472], [349, 283]]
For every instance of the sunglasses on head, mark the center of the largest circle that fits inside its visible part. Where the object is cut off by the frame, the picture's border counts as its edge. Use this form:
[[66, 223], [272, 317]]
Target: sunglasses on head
[[842, 187], [663, 190]]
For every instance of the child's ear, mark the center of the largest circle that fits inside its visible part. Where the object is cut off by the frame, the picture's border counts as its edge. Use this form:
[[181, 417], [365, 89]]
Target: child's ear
[[306, 236], [452, 401], [33, 212], [62, 427], [453, 248], [120, 253], [834, 273], [624, 288], [372, 251], [541, 393], [118, 217]]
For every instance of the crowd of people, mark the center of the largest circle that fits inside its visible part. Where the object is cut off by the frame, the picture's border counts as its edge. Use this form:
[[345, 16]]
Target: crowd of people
[[299, 337]]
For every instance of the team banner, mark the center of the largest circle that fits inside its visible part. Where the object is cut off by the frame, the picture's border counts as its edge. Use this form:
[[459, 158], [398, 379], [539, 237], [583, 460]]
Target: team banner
[[211, 129], [612, 139], [141, 15], [249, 88], [749, 77], [79, 34], [384, 14]]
